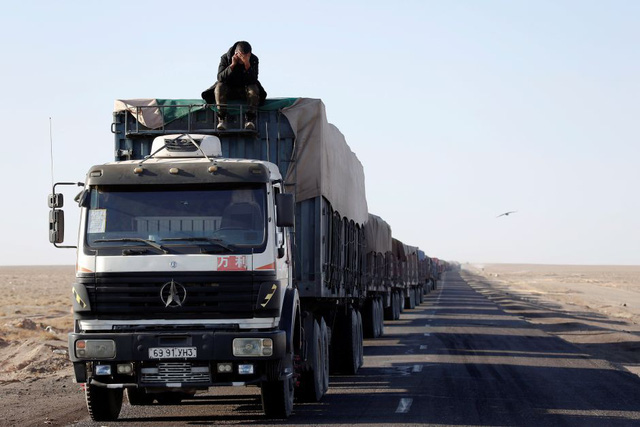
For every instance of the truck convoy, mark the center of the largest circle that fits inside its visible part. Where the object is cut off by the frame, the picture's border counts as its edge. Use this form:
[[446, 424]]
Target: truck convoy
[[238, 257]]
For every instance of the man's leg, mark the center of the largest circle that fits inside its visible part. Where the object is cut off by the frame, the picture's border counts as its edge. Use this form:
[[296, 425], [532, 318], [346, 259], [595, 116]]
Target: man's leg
[[253, 98], [209, 95], [222, 91]]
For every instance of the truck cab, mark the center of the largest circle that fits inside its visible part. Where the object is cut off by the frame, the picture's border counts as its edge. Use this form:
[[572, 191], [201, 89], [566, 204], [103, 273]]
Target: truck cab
[[183, 277]]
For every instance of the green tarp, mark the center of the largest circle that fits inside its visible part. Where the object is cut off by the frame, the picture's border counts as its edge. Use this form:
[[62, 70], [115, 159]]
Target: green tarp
[[155, 113]]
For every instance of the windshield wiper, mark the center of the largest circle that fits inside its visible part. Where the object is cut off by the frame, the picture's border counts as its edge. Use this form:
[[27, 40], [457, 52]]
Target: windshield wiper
[[219, 242], [136, 239]]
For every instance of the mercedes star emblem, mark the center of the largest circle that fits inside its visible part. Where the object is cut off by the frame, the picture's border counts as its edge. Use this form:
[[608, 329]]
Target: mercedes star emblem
[[173, 294]]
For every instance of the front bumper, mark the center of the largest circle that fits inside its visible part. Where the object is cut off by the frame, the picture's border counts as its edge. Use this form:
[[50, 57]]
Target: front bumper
[[213, 348]]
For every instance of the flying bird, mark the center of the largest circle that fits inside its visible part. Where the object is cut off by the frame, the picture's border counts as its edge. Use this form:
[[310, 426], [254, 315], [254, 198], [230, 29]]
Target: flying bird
[[506, 214]]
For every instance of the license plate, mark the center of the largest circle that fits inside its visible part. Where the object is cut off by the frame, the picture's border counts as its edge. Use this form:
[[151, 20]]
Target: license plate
[[173, 352]]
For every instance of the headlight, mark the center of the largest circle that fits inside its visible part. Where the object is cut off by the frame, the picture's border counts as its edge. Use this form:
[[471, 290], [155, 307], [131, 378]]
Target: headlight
[[103, 369], [245, 369], [96, 349], [252, 347]]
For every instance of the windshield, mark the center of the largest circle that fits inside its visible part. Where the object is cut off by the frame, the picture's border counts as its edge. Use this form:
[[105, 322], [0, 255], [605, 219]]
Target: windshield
[[200, 220]]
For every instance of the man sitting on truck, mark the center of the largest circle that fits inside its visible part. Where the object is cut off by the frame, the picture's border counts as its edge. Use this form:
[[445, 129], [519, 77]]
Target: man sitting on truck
[[237, 79]]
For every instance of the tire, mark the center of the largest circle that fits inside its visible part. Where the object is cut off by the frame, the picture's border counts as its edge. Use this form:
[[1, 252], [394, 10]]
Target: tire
[[377, 318], [139, 397], [324, 333], [277, 395], [170, 398], [312, 381], [398, 306], [395, 311], [389, 312], [345, 357], [360, 341], [410, 299], [103, 404], [369, 319], [380, 317]]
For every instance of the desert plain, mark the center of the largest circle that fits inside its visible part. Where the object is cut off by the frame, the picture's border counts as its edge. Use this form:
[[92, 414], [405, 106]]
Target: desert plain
[[594, 307]]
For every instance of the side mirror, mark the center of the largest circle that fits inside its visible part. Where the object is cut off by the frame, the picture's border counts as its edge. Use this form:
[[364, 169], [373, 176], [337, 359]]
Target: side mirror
[[56, 226], [285, 210], [56, 216], [56, 200]]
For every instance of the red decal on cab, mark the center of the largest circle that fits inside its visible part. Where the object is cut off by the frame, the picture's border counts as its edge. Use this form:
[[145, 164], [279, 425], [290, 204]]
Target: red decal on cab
[[271, 266], [232, 263]]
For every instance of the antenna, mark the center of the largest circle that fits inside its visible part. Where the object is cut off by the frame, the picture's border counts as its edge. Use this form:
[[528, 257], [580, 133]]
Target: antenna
[[51, 146]]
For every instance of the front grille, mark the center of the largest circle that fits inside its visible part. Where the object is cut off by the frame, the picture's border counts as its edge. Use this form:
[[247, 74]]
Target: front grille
[[164, 373], [207, 296]]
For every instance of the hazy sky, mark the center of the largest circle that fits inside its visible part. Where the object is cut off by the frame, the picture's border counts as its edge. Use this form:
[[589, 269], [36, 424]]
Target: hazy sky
[[458, 110]]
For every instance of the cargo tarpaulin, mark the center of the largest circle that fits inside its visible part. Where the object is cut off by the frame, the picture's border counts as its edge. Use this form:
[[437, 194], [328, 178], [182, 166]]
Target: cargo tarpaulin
[[145, 111], [399, 250], [377, 234], [410, 250], [325, 164]]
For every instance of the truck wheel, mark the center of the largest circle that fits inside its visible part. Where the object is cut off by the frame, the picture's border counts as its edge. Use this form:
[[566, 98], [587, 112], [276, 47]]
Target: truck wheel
[[360, 341], [390, 310], [103, 404], [170, 397], [397, 306], [380, 317], [395, 314], [324, 333], [277, 395], [376, 318], [139, 397], [410, 299], [369, 318], [344, 343], [312, 381]]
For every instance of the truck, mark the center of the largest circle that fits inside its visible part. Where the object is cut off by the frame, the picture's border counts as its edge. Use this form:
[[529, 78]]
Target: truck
[[227, 258]]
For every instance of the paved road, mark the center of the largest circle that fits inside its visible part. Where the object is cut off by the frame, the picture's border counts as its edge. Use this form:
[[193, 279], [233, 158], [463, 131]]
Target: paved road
[[458, 359]]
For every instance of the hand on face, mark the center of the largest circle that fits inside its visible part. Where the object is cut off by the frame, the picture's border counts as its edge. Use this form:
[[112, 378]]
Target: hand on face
[[243, 58], [235, 59]]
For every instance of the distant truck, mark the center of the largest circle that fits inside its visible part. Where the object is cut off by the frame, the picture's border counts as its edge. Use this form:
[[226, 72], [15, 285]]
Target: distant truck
[[210, 258]]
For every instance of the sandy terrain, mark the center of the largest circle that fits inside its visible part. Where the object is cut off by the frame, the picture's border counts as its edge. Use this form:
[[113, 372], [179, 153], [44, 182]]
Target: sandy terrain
[[35, 318], [595, 307], [35, 370]]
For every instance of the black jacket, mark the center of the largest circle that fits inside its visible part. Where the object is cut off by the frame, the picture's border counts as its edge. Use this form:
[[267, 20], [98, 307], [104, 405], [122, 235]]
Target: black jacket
[[238, 76]]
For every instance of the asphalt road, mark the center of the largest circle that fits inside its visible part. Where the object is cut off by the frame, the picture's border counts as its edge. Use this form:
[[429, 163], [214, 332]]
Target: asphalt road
[[457, 359]]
